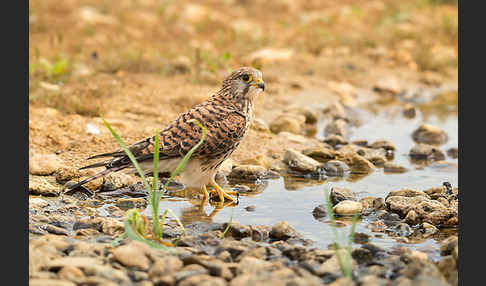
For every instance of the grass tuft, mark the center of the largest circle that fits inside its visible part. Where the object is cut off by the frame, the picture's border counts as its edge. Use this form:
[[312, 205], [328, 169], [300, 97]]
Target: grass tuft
[[136, 224]]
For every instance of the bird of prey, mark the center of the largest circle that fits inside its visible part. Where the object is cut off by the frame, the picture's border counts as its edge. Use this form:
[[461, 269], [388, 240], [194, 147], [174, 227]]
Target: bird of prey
[[226, 115]]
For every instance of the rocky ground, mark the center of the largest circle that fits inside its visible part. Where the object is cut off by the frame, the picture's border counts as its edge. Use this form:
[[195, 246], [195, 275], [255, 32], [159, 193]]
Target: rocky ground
[[138, 64]]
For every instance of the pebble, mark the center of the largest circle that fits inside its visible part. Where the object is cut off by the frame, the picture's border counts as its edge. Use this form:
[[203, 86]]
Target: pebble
[[337, 127], [341, 194], [409, 111], [347, 208], [283, 231], [248, 172], [129, 203], [44, 164], [429, 134], [426, 152], [389, 167], [289, 123], [336, 168], [115, 181], [300, 162], [41, 186], [319, 212], [133, 255], [453, 152]]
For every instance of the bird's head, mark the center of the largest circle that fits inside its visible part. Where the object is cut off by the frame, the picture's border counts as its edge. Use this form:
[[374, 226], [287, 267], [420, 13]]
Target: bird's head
[[243, 84]]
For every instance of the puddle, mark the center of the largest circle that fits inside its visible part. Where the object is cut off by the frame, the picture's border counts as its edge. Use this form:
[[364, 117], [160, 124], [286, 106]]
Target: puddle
[[294, 199]]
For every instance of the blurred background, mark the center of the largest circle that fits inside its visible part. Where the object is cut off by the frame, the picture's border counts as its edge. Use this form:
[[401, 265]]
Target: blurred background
[[79, 40]]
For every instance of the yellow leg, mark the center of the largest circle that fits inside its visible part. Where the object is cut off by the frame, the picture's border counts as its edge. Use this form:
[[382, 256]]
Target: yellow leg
[[205, 192], [221, 193]]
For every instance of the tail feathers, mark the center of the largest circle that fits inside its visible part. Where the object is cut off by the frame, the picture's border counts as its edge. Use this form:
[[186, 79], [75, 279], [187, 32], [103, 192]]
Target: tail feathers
[[99, 164], [99, 175], [109, 154]]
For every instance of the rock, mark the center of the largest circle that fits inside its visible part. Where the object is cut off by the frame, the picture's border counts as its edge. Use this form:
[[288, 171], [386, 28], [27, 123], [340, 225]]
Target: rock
[[428, 229], [429, 134], [251, 208], [387, 85], [408, 193], [258, 160], [50, 282], [112, 226], [335, 111], [40, 186], [37, 203], [341, 194], [71, 273], [319, 212], [448, 245], [402, 230], [259, 125], [310, 115], [128, 203], [453, 153], [44, 164], [372, 280], [426, 152], [166, 265], [66, 174], [133, 255], [291, 137], [335, 140], [357, 163], [248, 172], [336, 168], [409, 110], [289, 123], [237, 230], [347, 208], [320, 154], [337, 127], [202, 280], [448, 268], [412, 218], [283, 231], [389, 167], [300, 162], [115, 181]]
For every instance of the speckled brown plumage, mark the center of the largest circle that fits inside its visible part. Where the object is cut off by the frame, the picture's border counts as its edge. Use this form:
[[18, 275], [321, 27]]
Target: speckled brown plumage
[[226, 115]]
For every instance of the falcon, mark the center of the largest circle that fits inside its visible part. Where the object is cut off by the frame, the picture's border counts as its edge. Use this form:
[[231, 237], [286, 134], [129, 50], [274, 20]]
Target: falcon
[[226, 115]]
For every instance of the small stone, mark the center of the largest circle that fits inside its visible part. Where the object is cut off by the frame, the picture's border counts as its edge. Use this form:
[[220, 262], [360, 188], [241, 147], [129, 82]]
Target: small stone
[[300, 162], [408, 193], [429, 134], [453, 153], [289, 123], [133, 255], [44, 164], [337, 127], [283, 231], [37, 203], [335, 140], [40, 186], [411, 218], [428, 229], [348, 208], [336, 168], [448, 245], [251, 208], [319, 212], [165, 266], [310, 115], [248, 172], [70, 273], [115, 181], [129, 203], [341, 194], [237, 230], [357, 163], [319, 154], [389, 167], [426, 152], [259, 125], [409, 111]]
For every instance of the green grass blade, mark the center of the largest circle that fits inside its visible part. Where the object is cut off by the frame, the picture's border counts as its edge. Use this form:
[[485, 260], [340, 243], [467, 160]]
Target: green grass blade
[[129, 154], [228, 226], [134, 236], [155, 198]]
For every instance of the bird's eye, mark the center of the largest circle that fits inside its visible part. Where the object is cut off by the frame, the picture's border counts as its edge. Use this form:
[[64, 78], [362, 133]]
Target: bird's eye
[[246, 78]]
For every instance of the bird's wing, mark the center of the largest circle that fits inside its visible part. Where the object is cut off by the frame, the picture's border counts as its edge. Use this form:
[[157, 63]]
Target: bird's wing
[[225, 127]]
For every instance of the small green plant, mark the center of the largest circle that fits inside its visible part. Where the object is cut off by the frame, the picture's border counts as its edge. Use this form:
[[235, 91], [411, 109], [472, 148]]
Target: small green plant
[[343, 244], [228, 226], [137, 226]]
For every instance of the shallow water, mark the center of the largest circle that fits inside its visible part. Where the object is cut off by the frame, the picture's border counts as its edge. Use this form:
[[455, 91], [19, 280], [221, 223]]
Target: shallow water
[[293, 199]]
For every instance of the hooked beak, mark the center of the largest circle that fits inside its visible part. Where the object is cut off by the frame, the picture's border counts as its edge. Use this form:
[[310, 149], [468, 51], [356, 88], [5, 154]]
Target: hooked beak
[[260, 83]]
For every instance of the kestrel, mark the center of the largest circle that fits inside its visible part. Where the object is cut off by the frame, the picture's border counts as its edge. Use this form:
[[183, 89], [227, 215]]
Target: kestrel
[[226, 115]]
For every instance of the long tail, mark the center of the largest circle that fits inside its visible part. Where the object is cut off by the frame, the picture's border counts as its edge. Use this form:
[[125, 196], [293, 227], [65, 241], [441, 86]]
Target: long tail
[[98, 175]]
